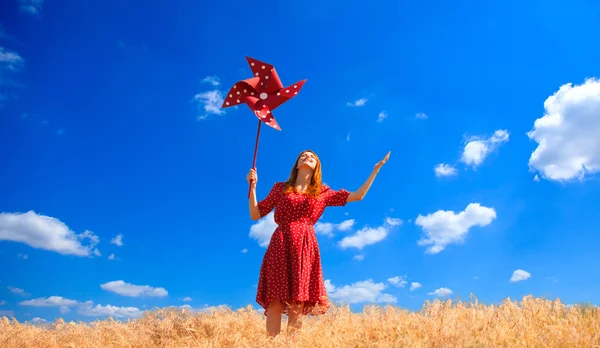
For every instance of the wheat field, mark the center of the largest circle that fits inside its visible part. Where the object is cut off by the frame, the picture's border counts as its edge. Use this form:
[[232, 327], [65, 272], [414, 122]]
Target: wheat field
[[531, 322]]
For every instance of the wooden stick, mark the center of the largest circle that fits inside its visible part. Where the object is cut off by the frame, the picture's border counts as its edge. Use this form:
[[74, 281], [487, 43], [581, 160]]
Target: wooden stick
[[255, 151]]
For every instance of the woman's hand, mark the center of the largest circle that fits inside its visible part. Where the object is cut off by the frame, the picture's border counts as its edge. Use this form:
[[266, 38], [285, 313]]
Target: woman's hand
[[382, 162], [252, 177]]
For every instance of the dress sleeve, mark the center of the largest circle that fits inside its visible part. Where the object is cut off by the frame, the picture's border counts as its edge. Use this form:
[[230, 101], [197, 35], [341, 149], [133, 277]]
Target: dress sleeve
[[268, 204], [335, 198]]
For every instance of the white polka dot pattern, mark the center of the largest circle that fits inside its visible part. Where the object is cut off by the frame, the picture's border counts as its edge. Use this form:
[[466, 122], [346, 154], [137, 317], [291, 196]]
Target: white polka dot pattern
[[265, 84], [291, 269]]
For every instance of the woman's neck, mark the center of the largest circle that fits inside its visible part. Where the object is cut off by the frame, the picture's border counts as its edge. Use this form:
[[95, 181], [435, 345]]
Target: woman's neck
[[303, 179]]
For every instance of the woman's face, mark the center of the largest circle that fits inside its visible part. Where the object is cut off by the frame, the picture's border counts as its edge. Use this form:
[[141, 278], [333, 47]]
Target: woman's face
[[307, 160]]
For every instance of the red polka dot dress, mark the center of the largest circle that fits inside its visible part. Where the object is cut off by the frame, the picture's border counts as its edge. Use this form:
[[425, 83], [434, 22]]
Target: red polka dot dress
[[291, 269]]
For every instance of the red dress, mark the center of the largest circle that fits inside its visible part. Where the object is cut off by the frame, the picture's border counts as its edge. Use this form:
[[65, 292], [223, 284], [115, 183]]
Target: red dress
[[291, 268]]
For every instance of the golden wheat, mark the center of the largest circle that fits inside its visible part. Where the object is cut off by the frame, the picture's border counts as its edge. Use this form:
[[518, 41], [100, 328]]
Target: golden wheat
[[533, 322]]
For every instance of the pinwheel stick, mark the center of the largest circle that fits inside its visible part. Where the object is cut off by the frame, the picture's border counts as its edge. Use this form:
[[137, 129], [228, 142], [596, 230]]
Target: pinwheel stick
[[255, 151]]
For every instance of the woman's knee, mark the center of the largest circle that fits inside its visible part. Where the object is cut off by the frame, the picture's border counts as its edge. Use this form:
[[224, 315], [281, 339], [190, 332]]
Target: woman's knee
[[276, 306]]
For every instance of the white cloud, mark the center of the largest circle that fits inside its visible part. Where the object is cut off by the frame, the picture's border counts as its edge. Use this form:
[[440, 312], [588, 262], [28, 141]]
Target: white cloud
[[441, 292], [33, 7], [111, 256], [421, 116], [567, 135], [398, 281], [478, 148], [52, 301], [263, 229], [382, 116], [48, 233], [327, 228], [118, 240], [358, 103], [205, 308], [213, 80], [392, 222], [126, 289], [368, 236], [359, 292], [11, 63], [348, 137], [88, 309], [209, 102], [244, 250], [187, 299], [23, 256], [519, 275], [84, 308], [18, 291], [444, 169], [4, 313], [414, 286], [38, 320], [445, 227], [359, 257]]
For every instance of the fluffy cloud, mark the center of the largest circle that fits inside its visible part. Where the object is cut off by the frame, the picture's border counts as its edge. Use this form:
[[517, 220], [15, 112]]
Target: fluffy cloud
[[382, 116], [48, 233], [205, 308], [441, 292], [368, 235], [443, 169], [11, 63], [414, 286], [359, 292], [187, 299], [445, 227], [213, 80], [84, 308], [519, 275], [33, 7], [358, 103], [263, 229], [327, 228], [567, 134], [52, 301], [118, 240], [209, 102], [88, 309], [18, 291], [126, 289], [398, 281], [421, 116], [477, 148]]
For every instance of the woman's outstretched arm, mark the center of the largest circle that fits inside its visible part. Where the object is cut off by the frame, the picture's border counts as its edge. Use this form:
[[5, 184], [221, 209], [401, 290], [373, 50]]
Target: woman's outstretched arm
[[362, 191], [252, 178]]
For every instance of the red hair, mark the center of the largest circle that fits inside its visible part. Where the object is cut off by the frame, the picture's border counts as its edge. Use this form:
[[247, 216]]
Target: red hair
[[315, 186]]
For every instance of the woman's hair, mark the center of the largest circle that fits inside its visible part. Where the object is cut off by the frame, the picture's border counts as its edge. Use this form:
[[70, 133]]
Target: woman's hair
[[315, 186]]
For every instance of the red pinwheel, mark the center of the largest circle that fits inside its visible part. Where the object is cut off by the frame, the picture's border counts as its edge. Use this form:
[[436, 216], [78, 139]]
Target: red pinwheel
[[263, 93]]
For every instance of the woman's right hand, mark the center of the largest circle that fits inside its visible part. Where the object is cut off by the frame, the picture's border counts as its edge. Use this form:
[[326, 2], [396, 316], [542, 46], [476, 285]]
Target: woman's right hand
[[251, 177]]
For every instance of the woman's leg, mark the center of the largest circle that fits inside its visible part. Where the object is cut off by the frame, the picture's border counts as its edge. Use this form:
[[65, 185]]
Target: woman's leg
[[294, 314], [274, 318]]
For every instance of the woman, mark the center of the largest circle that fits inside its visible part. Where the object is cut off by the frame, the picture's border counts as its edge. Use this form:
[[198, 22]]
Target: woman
[[291, 280]]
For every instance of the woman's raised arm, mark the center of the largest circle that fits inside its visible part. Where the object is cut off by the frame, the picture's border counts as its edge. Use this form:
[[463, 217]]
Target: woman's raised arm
[[362, 191]]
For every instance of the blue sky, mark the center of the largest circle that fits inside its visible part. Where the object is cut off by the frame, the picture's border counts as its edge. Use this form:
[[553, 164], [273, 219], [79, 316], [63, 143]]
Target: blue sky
[[110, 126]]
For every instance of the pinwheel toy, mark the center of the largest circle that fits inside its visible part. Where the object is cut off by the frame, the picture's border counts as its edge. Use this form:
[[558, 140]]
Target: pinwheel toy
[[263, 93]]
